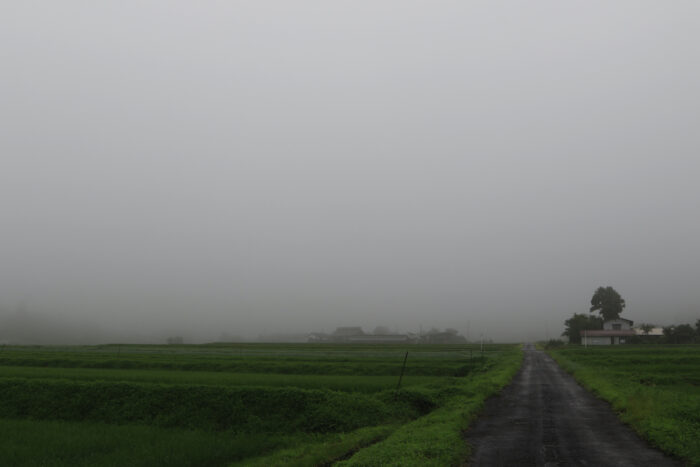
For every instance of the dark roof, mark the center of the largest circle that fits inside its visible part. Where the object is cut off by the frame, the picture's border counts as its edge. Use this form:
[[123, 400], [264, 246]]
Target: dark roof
[[349, 331], [379, 338], [609, 333], [621, 319]]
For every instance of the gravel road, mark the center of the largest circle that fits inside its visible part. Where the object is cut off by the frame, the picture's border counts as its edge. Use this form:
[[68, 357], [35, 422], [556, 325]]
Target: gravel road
[[545, 418]]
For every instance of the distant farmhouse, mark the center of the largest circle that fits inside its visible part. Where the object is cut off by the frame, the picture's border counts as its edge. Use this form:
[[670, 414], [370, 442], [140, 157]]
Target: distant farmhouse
[[340, 335], [382, 339], [655, 332], [345, 334], [448, 336], [355, 335], [615, 331]]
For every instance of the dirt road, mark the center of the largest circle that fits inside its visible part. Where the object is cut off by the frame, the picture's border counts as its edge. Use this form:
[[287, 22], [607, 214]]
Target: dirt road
[[545, 418]]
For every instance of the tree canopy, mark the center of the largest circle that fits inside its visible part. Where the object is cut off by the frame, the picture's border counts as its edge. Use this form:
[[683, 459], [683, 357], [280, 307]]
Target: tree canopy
[[681, 334], [579, 322], [607, 302]]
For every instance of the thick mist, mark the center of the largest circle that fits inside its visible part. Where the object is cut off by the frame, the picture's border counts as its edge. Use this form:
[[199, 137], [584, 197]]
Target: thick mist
[[212, 169]]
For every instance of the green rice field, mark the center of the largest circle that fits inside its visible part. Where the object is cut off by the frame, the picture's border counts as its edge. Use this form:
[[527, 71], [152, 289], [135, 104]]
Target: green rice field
[[243, 404], [654, 388]]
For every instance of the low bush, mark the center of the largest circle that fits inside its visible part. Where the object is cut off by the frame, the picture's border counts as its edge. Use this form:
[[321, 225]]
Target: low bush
[[554, 344]]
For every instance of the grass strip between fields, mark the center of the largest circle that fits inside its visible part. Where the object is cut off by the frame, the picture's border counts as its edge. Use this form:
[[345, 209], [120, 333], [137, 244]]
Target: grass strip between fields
[[322, 453], [437, 439], [668, 417]]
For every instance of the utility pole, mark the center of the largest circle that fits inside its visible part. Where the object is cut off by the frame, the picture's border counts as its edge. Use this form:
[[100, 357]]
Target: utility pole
[[403, 368]]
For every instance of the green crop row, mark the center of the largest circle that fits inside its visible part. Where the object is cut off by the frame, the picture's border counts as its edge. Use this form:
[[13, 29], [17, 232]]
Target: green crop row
[[260, 349], [250, 364], [40, 443], [366, 384], [246, 409], [667, 414]]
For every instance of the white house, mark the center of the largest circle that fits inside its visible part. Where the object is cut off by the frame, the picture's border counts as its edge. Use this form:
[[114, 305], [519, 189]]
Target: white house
[[615, 331], [656, 331]]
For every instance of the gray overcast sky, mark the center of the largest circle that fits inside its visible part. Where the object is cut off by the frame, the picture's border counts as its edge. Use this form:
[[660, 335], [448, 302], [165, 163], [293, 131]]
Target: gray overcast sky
[[258, 166]]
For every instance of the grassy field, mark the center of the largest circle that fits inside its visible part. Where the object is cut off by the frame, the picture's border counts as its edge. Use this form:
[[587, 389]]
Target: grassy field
[[654, 388], [243, 404]]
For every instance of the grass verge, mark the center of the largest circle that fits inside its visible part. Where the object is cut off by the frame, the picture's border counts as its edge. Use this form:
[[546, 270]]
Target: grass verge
[[668, 416], [436, 439]]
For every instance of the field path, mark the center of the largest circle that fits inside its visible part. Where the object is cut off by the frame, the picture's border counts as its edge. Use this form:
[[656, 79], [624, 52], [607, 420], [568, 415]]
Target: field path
[[545, 418]]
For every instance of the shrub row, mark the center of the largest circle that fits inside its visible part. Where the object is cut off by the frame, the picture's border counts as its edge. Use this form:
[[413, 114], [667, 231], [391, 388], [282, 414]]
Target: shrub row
[[242, 409]]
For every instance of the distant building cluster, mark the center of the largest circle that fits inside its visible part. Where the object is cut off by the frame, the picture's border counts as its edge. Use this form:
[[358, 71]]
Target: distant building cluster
[[356, 335]]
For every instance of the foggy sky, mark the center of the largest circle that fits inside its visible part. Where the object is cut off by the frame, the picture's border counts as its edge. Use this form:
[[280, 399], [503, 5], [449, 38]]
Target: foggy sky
[[271, 166]]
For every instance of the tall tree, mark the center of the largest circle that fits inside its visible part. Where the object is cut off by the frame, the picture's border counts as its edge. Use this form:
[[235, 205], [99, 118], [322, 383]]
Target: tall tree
[[578, 323], [608, 302]]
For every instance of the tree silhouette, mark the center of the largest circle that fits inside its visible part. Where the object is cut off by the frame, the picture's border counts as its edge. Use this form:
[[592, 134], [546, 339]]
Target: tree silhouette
[[608, 302], [580, 322]]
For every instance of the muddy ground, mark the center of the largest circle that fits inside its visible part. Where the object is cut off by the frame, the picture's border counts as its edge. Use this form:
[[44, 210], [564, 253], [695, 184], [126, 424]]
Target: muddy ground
[[545, 418]]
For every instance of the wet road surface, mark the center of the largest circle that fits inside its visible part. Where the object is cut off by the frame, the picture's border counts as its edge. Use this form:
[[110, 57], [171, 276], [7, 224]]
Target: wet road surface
[[545, 418]]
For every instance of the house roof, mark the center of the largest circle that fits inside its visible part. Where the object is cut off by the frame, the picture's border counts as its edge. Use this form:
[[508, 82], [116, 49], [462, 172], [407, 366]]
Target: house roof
[[379, 338], [608, 333], [348, 331], [621, 319]]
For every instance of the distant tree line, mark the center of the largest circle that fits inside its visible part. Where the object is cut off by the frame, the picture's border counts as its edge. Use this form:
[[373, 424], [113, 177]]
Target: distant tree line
[[674, 334], [682, 334]]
